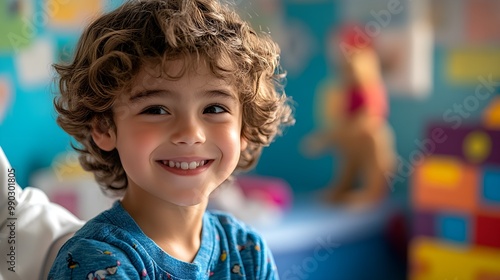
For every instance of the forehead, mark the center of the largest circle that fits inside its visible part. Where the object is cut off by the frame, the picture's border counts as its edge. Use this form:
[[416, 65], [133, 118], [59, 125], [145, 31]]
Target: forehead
[[189, 69]]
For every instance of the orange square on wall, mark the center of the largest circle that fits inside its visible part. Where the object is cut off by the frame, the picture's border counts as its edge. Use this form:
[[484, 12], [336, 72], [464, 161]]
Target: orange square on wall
[[445, 183]]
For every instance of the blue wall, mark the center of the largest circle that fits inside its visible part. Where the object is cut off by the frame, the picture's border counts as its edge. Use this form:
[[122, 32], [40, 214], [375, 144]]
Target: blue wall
[[283, 158], [408, 116]]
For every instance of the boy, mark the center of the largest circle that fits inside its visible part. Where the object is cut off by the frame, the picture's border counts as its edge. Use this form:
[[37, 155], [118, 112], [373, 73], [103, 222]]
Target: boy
[[167, 98]]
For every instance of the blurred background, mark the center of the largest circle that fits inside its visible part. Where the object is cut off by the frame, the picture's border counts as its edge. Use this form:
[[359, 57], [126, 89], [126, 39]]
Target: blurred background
[[440, 63]]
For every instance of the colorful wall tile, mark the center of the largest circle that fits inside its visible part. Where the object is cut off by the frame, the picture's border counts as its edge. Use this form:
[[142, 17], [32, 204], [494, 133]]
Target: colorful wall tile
[[474, 144], [435, 260], [445, 183], [454, 227]]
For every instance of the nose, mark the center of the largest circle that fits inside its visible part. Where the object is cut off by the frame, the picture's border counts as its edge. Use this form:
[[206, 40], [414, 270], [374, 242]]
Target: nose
[[188, 131]]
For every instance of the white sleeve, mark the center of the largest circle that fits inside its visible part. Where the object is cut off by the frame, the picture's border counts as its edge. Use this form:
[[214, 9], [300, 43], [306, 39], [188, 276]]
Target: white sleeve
[[29, 227]]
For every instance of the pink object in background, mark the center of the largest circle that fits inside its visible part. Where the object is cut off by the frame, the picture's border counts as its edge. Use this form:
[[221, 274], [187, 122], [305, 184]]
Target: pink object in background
[[68, 199], [481, 21], [4, 97], [269, 189]]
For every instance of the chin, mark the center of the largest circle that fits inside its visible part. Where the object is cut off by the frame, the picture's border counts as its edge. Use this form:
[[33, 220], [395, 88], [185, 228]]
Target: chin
[[189, 200]]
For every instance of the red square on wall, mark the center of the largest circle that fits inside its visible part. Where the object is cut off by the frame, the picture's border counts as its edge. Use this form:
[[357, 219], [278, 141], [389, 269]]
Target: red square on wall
[[487, 230]]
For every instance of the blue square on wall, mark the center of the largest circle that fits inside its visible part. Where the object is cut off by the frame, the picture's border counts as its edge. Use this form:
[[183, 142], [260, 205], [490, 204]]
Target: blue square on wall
[[453, 227], [491, 186]]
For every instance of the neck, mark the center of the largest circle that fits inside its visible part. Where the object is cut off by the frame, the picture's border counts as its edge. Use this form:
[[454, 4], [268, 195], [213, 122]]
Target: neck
[[176, 229]]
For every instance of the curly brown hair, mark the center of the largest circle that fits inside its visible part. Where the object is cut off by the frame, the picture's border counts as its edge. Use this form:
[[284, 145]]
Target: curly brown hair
[[114, 47]]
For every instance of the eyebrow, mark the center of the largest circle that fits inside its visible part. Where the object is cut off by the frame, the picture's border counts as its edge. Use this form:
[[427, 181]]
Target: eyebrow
[[221, 93], [147, 94]]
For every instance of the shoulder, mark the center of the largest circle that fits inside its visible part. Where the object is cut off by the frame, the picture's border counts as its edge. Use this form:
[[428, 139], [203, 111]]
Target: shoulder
[[97, 250], [90, 259], [246, 250], [232, 227]]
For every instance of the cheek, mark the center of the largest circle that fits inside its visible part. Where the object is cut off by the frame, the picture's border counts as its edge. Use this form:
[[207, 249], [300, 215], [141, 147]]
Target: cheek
[[230, 141], [145, 137], [138, 141]]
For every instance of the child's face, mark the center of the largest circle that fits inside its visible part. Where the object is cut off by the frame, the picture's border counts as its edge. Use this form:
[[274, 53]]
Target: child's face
[[178, 140]]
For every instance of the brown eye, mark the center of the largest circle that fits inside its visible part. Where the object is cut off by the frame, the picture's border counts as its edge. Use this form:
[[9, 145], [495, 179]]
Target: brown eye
[[215, 109], [154, 110]]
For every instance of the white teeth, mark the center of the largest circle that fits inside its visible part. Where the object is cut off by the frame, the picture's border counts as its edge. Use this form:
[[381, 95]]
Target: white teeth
[[184, 165]]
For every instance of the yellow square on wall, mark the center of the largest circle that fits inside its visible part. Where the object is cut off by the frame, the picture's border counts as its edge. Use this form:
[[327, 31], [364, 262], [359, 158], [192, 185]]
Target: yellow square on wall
[[444, 172], [466, 65], [431, 259], [72, 13]]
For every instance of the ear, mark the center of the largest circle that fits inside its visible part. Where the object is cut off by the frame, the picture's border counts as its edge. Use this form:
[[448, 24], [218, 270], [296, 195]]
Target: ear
[[105, 140]]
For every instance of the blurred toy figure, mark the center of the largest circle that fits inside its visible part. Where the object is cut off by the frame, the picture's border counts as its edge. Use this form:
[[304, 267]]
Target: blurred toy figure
[[360, 133]]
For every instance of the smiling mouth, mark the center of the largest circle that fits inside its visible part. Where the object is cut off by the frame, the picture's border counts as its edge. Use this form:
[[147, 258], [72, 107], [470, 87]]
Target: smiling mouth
[[183, 165]]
